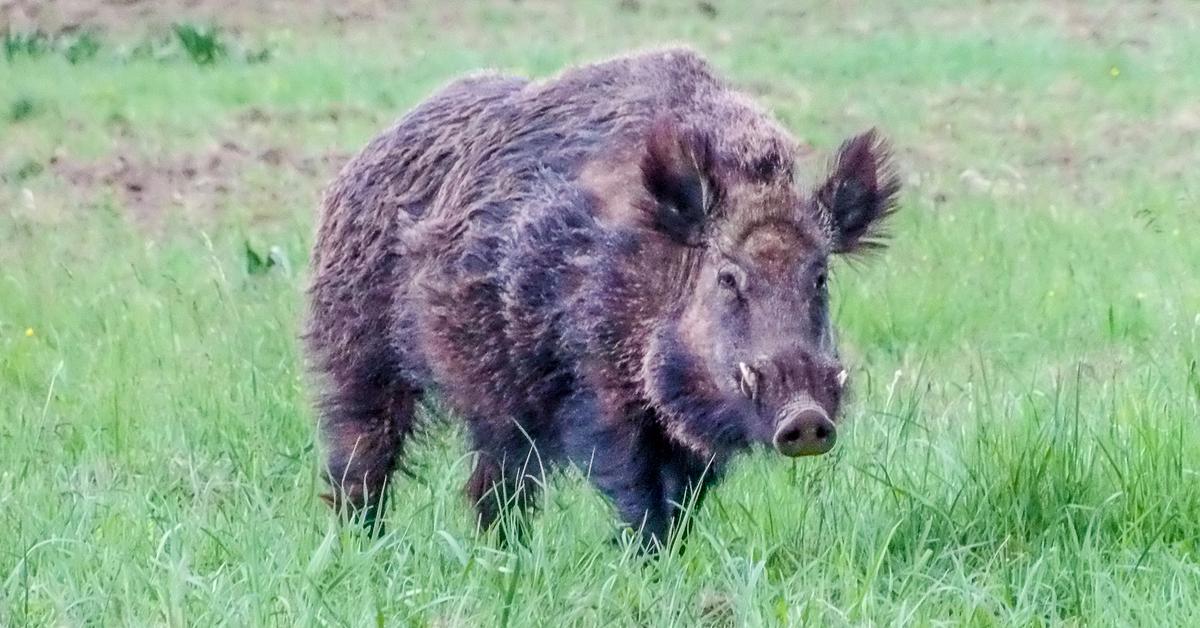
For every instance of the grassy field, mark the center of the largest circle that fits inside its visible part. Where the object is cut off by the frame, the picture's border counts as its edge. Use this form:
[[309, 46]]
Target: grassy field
[[1023, 447]]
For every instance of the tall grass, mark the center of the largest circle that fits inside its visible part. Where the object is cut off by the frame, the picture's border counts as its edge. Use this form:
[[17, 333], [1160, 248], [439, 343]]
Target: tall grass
[[1022, 447]]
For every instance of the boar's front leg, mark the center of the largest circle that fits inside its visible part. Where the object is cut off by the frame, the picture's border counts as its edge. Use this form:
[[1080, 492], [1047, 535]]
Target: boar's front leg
[[624, 458], [508, 471], [687, 477]]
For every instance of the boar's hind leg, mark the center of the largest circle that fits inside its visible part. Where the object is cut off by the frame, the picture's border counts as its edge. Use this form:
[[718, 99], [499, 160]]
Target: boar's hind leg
[[365, 422]]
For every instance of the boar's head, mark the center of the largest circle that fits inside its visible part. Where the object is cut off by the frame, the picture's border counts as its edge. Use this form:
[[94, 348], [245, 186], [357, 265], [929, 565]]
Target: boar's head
[[748, 353]]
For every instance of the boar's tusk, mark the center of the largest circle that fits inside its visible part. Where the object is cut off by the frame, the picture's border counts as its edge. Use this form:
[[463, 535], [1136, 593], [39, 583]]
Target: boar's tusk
[[748, 382], [841, 378]]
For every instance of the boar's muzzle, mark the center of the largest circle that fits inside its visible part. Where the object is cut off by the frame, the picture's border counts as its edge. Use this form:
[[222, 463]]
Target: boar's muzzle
[[797, 395]]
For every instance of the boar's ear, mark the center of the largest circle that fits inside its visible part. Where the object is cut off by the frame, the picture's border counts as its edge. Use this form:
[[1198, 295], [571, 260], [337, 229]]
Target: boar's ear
[[676, 170], [860, 193]]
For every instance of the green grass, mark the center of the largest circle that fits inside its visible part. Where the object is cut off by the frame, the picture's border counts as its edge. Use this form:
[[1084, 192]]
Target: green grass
[[1023, 446]]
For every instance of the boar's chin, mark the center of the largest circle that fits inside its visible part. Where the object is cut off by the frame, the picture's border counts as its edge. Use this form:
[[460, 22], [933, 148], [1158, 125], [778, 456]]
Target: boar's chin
[[692, 407]]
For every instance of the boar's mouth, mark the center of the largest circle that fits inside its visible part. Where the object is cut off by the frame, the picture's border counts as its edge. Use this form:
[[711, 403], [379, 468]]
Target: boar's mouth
[[747, 381], [802, 427], [746, 378]]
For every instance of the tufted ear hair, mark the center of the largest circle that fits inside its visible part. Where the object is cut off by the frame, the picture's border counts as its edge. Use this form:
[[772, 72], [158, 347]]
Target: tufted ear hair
[[860, 193], [677, 173]]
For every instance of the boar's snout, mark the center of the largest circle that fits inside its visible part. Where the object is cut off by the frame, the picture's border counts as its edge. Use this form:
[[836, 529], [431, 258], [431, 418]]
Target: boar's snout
[[798, 395], [805, 429]]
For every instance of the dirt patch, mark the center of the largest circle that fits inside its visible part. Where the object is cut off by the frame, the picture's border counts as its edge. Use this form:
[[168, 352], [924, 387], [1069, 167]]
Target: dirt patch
[[1110, 24], [55, 16], [257, 118], [150, 187]]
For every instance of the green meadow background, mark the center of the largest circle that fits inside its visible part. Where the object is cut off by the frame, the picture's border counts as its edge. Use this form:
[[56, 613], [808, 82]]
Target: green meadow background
[[1022, 446]]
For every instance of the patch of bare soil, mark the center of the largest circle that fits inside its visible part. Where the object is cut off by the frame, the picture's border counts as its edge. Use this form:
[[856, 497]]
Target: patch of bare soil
[[150, 187], [55, 16], [1111, 23]]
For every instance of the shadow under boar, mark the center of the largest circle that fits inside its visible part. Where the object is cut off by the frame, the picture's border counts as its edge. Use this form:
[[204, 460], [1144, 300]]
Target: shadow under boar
[[612, 268]]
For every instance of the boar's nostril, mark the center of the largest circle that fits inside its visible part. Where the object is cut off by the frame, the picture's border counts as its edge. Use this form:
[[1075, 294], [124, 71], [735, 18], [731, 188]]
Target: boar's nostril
[[789, 434]]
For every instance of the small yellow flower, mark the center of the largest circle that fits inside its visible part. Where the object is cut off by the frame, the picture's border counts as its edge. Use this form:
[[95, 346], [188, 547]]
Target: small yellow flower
[[1050, 293], [29, 332], [1114, 71], [1141, 296], [1175, 232]]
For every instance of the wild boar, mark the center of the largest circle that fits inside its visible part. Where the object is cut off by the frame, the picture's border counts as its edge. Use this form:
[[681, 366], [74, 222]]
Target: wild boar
[[613, 268]]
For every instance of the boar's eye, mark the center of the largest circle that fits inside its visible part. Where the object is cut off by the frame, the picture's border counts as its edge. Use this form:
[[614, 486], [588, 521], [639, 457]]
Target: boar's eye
[[727, 280], [732, 281]]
